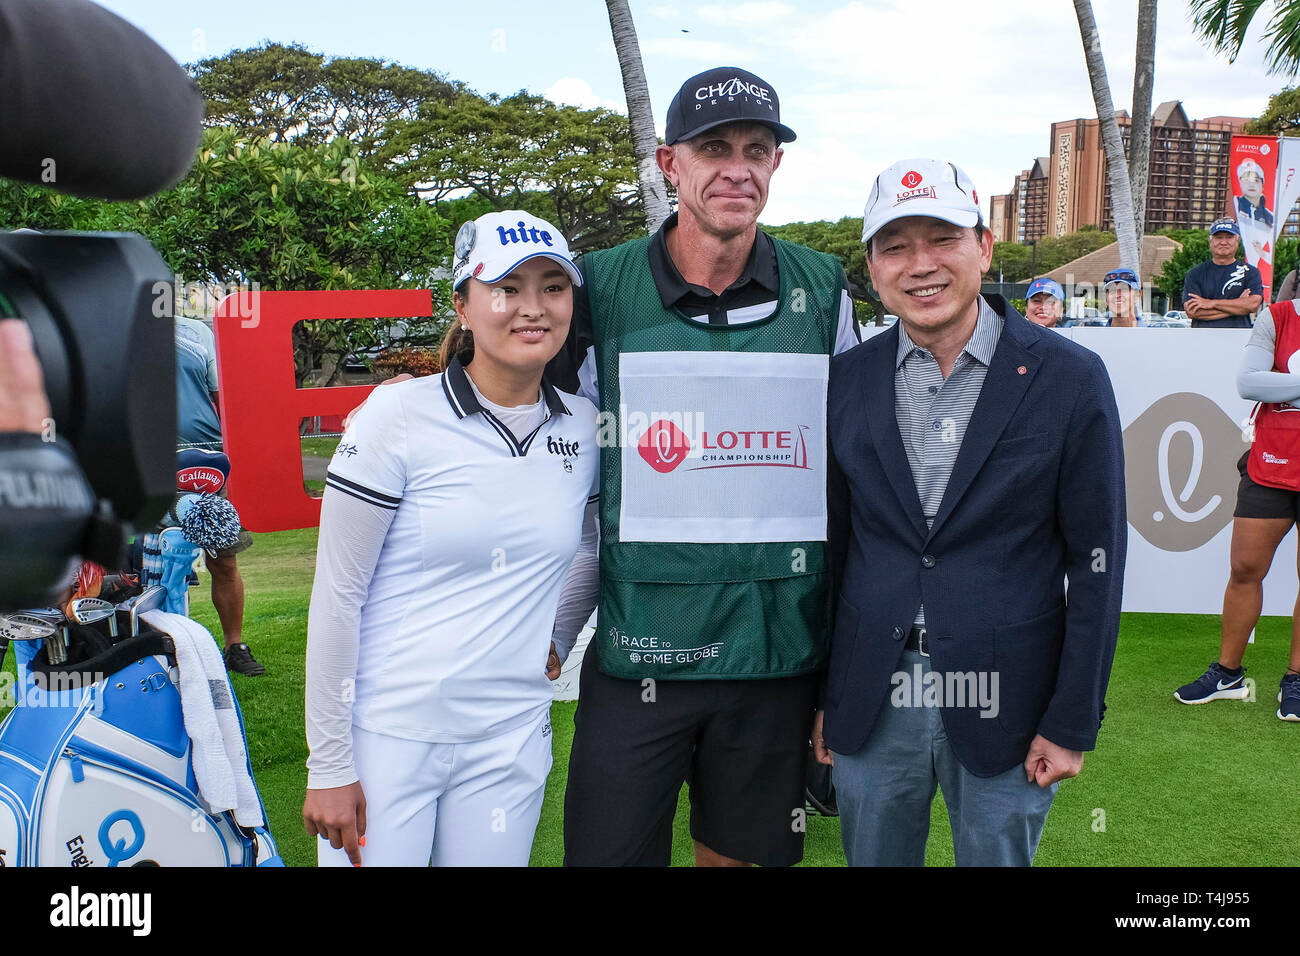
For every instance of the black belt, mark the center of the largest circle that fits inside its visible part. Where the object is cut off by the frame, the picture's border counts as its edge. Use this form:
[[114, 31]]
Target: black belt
[[916, 641]]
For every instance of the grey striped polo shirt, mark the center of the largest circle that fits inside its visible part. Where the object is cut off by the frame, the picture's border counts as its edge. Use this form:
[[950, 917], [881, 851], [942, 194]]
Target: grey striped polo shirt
[[933, 412]]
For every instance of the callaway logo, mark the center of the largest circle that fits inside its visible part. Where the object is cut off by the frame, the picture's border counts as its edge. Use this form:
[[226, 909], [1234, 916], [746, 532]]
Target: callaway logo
[[199, 479], [733, 87]]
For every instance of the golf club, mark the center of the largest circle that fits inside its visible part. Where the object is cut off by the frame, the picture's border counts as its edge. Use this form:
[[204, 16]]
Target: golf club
[[147, 600], [92, 610]]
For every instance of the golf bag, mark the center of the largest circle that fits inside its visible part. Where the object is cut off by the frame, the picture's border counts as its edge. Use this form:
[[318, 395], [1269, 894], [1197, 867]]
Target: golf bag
[[96, 770], [96, 764]]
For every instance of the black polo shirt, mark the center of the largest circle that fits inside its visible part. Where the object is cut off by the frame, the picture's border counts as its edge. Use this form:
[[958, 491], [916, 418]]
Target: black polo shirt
[[751, 297]]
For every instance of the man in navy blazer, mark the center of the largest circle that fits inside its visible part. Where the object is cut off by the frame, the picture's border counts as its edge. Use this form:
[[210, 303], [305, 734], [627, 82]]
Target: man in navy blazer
[[980, 465]]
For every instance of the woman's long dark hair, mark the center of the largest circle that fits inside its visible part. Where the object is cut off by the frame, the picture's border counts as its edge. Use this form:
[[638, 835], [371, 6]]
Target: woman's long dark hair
[[458, 342]]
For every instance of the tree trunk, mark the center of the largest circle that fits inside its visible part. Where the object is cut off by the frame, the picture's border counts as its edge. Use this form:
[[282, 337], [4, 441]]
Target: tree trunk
[[654, 194], [1139, 143], [1121, 191]]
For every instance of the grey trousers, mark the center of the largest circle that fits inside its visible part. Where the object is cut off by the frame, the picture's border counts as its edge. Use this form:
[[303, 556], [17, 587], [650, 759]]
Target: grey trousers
[[885, 791]]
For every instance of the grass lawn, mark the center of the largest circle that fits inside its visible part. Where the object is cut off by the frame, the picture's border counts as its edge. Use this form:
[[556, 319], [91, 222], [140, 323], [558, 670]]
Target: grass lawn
[[1168, 785]]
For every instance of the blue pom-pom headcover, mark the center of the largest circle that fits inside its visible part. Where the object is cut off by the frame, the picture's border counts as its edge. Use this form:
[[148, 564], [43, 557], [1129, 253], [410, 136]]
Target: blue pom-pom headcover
[[210, 521]]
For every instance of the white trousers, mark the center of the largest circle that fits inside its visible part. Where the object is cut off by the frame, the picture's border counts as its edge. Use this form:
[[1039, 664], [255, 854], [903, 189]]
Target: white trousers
[[469, 804]]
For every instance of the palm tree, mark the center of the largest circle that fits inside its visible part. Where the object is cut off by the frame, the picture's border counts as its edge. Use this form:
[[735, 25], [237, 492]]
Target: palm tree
[[1121, 192], [654, 194], [1223, 24], [1139, 143]]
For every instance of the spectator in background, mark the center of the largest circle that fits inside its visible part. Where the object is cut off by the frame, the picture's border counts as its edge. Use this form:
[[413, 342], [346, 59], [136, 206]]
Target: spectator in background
[[1289, 286], [198, 424], [1123, 291], [1045, 303], [1224, 292]]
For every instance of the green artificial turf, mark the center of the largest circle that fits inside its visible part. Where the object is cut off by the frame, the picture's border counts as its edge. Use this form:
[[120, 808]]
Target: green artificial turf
[[1168, 785]]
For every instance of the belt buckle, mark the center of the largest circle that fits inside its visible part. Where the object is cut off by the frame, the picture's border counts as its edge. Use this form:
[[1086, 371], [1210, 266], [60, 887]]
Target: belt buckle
[[920, 643]]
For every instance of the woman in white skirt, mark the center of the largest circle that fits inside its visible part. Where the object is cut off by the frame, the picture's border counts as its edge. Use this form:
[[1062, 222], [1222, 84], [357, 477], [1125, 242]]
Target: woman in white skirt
[[453, 508]]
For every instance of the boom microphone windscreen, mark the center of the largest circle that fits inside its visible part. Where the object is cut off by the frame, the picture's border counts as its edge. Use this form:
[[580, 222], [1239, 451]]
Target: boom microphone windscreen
[[89, 104]]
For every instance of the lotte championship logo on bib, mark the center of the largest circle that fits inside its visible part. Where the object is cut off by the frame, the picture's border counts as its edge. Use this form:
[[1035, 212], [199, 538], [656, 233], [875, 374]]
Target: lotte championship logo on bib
[[664, 446], [1180, 469]]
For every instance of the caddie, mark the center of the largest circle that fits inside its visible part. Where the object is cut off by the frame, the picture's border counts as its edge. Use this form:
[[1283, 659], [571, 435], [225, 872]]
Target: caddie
[[706, 347]]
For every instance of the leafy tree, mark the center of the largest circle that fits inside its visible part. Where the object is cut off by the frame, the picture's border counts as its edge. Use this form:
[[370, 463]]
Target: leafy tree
[[286, 216], [1280, 117], [574, 167], [288, 93], [1023, 261], [1286, 256], [842, 239], [1195, 250]]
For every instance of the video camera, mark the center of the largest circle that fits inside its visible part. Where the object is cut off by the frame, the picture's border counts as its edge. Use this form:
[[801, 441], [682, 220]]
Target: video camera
[[89, 96]]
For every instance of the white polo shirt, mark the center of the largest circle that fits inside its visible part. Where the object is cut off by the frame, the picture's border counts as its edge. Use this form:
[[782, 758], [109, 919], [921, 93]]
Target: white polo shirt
[[456, 624]]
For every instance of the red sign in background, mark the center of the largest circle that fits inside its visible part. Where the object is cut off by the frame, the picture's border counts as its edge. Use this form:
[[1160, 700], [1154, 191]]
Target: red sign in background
[[1257, 222], [261, 405]]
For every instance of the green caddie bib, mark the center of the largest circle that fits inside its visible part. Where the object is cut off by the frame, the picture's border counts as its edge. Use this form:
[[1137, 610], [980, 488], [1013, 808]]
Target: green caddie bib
[[713, 475]]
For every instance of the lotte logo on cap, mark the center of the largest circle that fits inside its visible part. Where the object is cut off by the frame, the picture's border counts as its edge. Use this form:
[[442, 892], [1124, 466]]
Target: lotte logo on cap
[[664, 446], [912, 179]]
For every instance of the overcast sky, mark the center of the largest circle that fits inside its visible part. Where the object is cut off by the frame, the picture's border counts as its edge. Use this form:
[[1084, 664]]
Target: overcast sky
[[863, 84]]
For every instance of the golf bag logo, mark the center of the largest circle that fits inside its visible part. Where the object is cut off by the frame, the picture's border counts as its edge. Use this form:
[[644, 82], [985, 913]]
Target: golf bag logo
[[120, 850], [1180, 471]]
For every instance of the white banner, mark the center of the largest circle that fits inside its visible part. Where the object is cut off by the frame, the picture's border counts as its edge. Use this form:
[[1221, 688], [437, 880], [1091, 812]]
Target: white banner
[[1288, 180], [1182, 418]]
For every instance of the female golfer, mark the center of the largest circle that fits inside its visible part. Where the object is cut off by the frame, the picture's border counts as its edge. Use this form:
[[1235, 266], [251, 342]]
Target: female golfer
[[453, 508], [1268, 504]]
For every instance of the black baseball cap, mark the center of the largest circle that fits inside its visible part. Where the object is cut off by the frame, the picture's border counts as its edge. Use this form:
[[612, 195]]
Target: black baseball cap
[[726, 94]]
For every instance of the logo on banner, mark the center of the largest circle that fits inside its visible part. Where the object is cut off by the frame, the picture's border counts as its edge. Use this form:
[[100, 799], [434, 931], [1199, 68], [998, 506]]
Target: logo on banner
[[1180, 470], [664, 446]]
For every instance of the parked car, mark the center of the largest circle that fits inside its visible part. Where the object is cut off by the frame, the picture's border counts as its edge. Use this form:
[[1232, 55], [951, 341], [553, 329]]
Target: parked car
[[1178, 316]]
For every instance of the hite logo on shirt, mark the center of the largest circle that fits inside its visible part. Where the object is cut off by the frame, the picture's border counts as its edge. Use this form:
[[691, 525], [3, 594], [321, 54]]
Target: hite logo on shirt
[[558, 446], [664, 447]]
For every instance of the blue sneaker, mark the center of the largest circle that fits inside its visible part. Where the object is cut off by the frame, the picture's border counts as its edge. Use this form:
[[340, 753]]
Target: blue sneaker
[[1214, 684], [1288, 698]]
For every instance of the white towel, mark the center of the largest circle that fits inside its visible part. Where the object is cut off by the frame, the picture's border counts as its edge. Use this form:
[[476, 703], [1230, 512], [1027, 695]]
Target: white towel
[[207, 704]]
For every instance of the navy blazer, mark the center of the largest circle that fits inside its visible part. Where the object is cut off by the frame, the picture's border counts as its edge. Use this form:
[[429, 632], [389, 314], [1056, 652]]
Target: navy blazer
[[1036, 496]]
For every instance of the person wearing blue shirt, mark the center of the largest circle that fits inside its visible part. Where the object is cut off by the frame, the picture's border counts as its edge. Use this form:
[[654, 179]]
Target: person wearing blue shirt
[[1224, 292], [1123, 291], [197, 423]]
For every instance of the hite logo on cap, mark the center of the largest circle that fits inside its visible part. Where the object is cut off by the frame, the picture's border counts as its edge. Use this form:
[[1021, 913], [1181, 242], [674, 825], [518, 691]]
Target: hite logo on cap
[[912, 188]]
